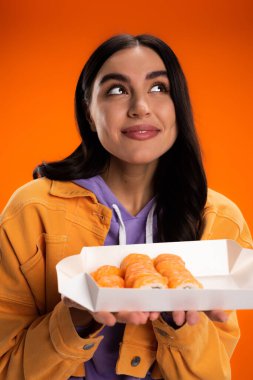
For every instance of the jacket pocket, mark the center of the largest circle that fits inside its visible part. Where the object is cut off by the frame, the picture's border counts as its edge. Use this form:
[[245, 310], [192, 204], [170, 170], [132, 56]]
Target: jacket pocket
[[40, 273], [34, 272]]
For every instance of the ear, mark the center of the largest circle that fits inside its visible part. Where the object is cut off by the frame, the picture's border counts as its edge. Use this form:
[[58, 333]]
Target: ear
[[92, 125], [91, 122]]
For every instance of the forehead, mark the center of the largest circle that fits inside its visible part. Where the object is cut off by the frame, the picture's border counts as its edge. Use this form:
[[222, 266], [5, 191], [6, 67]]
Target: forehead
[[138, 60]]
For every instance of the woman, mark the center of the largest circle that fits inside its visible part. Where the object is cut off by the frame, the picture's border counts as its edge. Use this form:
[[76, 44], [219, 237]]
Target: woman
[[136, 177]]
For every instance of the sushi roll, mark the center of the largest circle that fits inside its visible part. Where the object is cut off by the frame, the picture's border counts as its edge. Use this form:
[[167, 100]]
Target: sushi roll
[[139, 272], [150, 281], [134, 258], [108, 276], [111, 281], [106, 270], [173, 268]]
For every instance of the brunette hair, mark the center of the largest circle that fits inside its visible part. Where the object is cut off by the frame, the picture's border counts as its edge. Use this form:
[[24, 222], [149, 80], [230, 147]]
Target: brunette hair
[[180, 181]]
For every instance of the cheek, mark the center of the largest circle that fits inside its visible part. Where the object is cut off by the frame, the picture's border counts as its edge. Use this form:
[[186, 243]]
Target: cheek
[[174, 133], [170, 124], [99, 119], [171, 114], [165, 110], [105, 127], [107, 120]]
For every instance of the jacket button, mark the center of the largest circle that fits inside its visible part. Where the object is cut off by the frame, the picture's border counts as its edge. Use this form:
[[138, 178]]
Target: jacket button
[[88, 346], [135, 361]]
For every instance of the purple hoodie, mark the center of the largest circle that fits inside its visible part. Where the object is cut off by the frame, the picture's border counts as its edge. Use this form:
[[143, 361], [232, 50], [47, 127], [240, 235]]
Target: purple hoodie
[[124, 229]]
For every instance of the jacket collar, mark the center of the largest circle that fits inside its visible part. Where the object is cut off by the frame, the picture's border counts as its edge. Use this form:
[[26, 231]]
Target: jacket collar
[[68, 189]]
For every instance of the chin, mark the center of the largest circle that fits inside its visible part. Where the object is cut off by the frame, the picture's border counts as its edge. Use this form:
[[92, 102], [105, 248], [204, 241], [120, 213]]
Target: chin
[[142, 160]]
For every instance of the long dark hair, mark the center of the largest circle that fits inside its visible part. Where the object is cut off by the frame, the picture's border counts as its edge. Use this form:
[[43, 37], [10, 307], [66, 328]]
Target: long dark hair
[[180, 181]]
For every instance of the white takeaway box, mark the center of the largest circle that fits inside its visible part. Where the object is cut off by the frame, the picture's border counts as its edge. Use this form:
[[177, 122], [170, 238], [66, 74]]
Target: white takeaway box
[[223, 267]]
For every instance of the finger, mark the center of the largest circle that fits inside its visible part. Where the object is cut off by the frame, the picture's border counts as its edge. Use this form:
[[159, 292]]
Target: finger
[[153, 315], [217, 315], [135, 318], [178, 317], [123, 317], [192, 317], [104, 317]]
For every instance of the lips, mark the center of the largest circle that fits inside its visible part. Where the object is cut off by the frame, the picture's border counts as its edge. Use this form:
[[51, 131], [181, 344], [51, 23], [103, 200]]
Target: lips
[[141, 132], [139, 128]]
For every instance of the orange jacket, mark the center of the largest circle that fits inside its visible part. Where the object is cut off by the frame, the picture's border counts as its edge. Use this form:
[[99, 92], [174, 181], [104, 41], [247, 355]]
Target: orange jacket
[[46, 221]]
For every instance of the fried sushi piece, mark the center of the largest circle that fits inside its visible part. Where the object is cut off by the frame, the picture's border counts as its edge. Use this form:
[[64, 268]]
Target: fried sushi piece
[[140, 272], [106, 270], [133, 258], [167, 264], [108, 276], [111, 281], [138, 268], [168, 257], [166, 268], [178, 276], [150, 280], [183, 280], [132, 277]]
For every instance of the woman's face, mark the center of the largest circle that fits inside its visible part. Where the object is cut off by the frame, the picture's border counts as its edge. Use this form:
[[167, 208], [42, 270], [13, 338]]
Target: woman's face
[[131, 109]]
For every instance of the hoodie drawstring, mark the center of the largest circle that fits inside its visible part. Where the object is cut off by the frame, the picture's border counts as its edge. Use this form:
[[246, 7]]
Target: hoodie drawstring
[[122, 228], [149, 225]]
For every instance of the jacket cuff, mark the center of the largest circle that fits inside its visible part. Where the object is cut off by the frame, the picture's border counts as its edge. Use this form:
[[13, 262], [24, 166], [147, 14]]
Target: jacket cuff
[[180, 337], [65, 338]]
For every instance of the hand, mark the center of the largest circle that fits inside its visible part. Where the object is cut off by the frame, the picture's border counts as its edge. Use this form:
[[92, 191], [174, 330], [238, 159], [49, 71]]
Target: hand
[[192, 317], [132, 317], [82, 316]]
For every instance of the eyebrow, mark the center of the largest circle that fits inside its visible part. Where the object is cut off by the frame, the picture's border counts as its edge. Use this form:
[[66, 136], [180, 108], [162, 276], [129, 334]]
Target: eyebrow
[[126, 79]]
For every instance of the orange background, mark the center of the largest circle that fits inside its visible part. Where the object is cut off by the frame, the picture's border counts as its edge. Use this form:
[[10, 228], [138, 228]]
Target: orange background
[[44, 46]]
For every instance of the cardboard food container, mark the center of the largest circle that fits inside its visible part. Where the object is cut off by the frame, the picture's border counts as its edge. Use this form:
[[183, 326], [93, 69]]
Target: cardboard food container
[[223, 267]]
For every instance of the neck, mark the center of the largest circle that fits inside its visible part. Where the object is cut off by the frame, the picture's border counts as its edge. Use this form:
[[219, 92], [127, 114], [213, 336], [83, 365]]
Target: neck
[[132, 184]]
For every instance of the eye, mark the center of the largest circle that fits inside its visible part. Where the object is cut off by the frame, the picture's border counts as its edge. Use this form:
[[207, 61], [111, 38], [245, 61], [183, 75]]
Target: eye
[[159, 87], [116, 90]]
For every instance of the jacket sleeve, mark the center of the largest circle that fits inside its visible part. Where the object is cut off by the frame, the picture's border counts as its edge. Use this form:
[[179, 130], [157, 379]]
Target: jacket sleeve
[[34, 345], [202, 351]]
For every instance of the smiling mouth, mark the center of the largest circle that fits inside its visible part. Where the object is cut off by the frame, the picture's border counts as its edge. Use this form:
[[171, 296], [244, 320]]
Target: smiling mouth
[[140, 128], [141, 132]]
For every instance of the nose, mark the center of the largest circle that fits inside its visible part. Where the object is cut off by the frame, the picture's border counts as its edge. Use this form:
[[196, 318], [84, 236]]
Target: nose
[[138, 107]]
